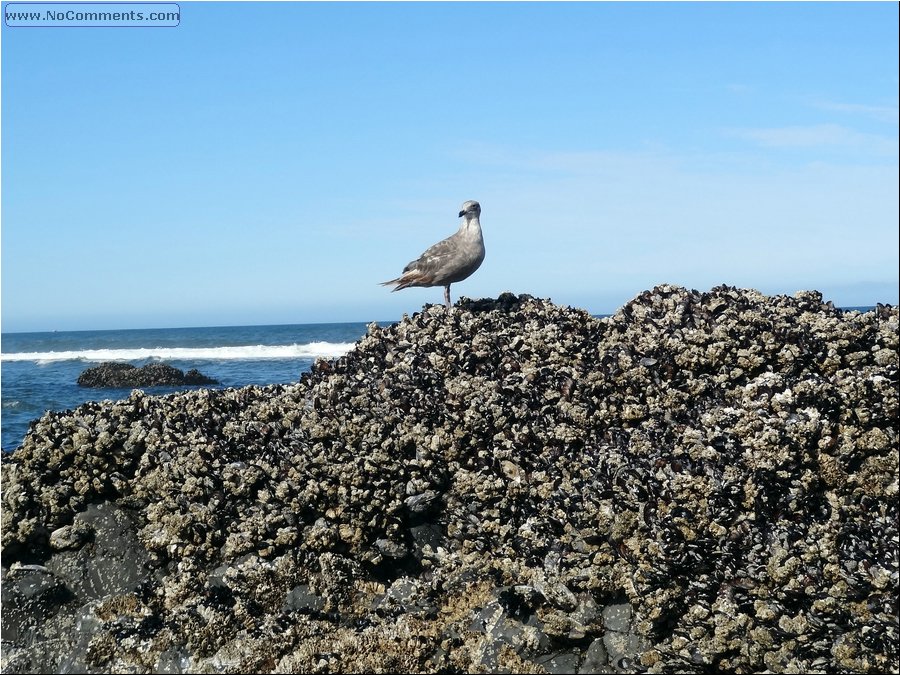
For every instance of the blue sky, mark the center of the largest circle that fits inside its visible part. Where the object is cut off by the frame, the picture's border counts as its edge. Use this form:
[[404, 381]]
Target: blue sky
[[272, 162]]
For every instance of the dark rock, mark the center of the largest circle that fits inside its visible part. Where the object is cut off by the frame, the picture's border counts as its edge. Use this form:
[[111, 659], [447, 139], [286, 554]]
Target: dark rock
[[57, 611], [560, 663], [123, 375], [31, 594], [617, 617], [426, 534], [596, 660], [405, 596], [422, 502], [624, 650], [391, 549], [301, 599], [524, 639], [70, 536]]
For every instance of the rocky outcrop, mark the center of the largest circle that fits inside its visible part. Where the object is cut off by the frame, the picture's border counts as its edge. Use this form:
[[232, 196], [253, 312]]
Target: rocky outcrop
[[121, 375], [703, 481]]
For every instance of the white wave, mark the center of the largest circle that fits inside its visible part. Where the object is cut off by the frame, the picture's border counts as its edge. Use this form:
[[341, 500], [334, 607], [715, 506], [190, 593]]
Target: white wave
[[310, 350]]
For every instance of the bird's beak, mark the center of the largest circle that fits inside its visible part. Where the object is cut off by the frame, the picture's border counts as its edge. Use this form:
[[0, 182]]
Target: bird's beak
[[461, 214]]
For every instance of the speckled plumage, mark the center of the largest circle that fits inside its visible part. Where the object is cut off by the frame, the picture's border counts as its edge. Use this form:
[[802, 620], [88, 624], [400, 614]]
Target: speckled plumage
[[450, 260]]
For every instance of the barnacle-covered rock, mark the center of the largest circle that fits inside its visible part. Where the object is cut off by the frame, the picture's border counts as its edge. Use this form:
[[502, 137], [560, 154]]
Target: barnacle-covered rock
[[126, 375], [701, 481]]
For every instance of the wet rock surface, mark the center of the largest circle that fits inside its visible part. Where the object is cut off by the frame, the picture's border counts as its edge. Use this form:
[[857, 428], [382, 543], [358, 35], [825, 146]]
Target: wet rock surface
[[121, 375], [703, 481]]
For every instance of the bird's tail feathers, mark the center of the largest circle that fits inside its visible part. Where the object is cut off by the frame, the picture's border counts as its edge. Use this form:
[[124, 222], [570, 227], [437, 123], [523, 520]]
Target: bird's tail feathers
[[405, 280], [399, 284]]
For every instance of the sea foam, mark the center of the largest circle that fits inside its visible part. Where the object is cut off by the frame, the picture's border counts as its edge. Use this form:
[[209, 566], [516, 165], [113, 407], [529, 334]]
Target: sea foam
[[309, 350]]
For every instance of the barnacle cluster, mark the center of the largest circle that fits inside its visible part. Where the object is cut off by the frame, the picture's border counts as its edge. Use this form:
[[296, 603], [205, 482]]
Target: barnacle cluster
[[702, 481]]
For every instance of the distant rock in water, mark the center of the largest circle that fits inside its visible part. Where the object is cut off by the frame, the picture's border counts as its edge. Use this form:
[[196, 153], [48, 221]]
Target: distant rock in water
[[151, 375], [701, 482]]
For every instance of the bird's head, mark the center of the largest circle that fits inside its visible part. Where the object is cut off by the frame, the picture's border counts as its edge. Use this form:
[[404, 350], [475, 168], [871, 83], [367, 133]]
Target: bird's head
[[470, 208]]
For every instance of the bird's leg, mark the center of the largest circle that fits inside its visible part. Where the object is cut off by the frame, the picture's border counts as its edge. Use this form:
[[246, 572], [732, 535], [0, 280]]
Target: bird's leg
[[447, 296]]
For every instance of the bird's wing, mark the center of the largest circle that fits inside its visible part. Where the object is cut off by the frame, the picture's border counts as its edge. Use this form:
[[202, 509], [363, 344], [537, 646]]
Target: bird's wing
[[436, 258]]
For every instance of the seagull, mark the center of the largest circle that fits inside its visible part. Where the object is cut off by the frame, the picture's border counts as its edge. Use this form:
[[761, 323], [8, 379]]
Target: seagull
[[450, 260]]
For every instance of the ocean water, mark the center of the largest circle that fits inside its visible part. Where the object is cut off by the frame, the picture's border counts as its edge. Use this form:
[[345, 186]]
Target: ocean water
[[39, 371]]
